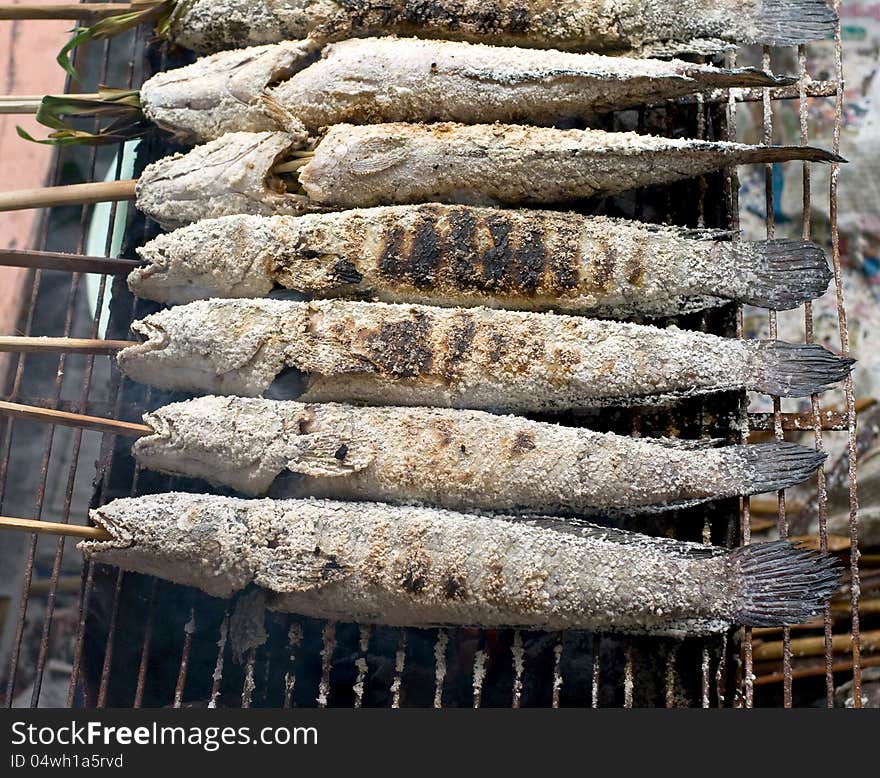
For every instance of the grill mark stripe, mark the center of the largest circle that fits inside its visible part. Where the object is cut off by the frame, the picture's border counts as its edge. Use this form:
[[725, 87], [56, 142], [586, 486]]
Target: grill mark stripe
[[461, 249], [391, 264], [496, 260], [635, 264], [458, 343], [564, 255], [533, 259], [402, 348], [424, 253], [603, 264], [492, 16]]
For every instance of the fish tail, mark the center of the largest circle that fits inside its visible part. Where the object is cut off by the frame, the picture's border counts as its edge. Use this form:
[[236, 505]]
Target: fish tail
[[782, 274], [775, 466], [738, 77], [795, 370], [764, 154], [790, 22], [781, 583]]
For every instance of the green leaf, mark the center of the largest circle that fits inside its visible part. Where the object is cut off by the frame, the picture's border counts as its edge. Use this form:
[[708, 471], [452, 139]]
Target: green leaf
[[123, 104], [160, 14]]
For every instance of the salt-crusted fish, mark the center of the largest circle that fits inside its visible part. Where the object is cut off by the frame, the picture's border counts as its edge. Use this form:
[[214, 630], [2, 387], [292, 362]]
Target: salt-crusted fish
[[452, 255], [408, 566], [452, 458], [467, 358], [281, 87], [396, 164], [577, 25]]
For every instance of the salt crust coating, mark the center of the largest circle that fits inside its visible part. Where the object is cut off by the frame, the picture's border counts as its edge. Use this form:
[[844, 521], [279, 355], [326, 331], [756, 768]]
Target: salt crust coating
[[463, 256], [409, 80], [390, 164], [221, 93], [397, 163], [410, 566], [425, 356], [232, 174], [577, 25], [454, 459]]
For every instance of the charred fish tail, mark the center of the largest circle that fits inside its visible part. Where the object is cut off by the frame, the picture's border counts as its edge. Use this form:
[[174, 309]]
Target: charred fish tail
[[782, 584], [791, 22], [782, 274], [775, 466], [766, 154], [722, 78], [795, 370]]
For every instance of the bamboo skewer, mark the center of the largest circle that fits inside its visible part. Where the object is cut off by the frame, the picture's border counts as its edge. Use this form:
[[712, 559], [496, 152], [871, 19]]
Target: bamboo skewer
[[104, 191], [78, 420], [25, 105], [40, 587], [815, 672], [30, 104], [21, 104], [29, 345], [73, 263], [867, 605], [72, 11], [72, 194], [54, 528], [814, 646]]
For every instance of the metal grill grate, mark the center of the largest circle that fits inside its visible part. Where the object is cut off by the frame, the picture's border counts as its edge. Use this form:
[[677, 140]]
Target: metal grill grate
[[135, 641]]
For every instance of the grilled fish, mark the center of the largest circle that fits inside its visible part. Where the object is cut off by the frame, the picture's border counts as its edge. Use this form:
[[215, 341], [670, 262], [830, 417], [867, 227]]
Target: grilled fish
[[467, 358], [451, 458], [280, 87], [576, 25], [390, 164], [451, 255], [410, 566]]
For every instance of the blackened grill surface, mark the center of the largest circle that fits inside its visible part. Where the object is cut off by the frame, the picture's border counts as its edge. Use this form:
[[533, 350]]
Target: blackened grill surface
[[142, 642]]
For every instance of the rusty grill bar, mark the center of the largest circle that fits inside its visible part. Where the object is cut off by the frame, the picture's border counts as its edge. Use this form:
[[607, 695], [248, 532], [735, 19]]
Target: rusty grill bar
[[360, 666]]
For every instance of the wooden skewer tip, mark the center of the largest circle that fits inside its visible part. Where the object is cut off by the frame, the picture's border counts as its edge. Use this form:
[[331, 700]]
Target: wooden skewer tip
[[72, 194], [78, 420], [38, 345], [54, 528]]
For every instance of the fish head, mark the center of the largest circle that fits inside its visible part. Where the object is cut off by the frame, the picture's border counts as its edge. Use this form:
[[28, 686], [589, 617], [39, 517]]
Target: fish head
[[228, 441], [211, 347], [227, 257], [192, 540]]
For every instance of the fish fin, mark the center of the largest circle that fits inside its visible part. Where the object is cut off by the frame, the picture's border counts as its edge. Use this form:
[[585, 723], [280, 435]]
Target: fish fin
[[737, 77], [796, 370], [782, 583], [776, 466], [376, 155], [691, 233], [685, 628], [790, 22], [687, 445], [330, 455], [783, 274], [584, 529], [786, 154], [665, 49], [297, 567]]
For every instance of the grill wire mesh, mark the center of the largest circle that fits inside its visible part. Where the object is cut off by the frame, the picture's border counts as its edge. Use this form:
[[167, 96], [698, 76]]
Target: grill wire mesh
[[127, 640]]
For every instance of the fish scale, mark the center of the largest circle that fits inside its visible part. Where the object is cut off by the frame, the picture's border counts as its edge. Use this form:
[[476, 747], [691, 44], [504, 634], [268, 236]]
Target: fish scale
[[415, 566], [479, 358], [577, 25], [454, 459]]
